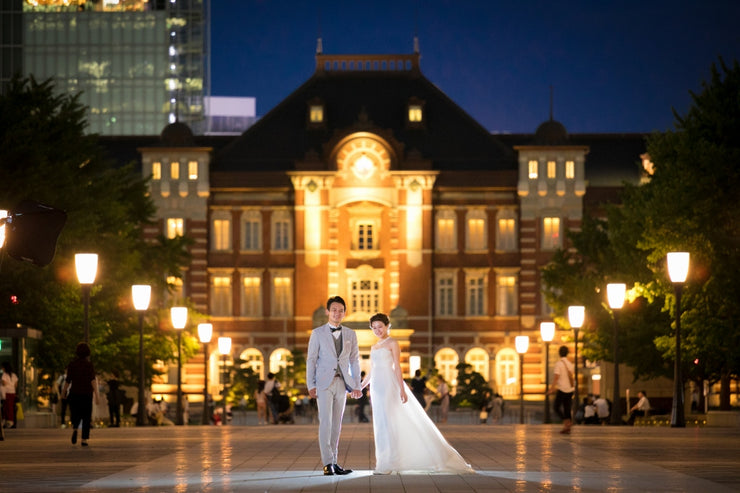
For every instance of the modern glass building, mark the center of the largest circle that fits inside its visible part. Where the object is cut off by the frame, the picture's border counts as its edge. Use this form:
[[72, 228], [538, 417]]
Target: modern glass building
[[140, 64]]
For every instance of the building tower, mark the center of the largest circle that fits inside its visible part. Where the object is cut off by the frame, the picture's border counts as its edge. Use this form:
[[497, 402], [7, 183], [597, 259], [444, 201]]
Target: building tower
[[140, 64]]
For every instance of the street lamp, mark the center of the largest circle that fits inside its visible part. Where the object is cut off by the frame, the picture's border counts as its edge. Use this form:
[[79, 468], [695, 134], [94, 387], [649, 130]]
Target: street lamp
[[576, 315], [87, 266], [224, 347], [678, 269], [522, 344], [179, 316], [615, 294], [205, 331], [141, 293], [547, 331]]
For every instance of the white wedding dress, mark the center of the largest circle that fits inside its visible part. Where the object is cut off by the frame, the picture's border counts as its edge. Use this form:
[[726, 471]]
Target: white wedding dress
[[406, 440]]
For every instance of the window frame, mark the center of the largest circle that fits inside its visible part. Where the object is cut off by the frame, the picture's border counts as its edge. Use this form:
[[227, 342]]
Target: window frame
[[221, 299], [445, 241], [221, 237], [251, 216], [445, 292]]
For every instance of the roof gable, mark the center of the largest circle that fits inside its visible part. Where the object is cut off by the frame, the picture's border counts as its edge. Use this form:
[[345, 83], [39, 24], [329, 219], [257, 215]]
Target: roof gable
[[358, 91]]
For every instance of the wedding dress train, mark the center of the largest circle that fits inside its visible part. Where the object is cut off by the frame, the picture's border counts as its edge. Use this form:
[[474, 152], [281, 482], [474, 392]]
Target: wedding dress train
[[406, 440]]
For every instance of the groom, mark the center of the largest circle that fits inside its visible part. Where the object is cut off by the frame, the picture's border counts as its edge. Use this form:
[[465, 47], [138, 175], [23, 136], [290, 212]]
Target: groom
[[332, 370]]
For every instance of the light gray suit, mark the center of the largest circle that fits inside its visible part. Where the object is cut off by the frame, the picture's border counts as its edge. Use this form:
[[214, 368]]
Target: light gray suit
[[331, 391]]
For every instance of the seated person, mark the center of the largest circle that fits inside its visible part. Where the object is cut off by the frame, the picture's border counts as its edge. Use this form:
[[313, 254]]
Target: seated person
[[640, 409]]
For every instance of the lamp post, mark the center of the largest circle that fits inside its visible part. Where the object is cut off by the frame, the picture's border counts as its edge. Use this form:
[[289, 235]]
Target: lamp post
[[576, 315], [522, 344], [86, 265], [547, 331], [179, 316], [615, 294], [205, 331], [678, 269], [141, 293], [224, 347]]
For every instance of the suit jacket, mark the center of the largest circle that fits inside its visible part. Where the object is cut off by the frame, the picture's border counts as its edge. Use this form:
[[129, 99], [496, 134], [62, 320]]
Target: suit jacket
[[322, 359]]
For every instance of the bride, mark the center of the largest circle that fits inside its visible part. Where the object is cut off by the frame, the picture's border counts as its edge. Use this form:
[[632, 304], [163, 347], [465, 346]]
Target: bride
[[406, 440]]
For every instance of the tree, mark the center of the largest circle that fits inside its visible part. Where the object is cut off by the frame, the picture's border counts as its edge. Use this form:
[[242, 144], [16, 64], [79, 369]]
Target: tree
[[471, 388], [45, 156], [691, 203]]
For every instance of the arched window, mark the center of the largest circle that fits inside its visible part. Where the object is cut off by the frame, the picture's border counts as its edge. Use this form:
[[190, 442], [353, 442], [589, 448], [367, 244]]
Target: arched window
[[279, 360], [252, 358], [478, 359], [446, 361], [507, 372]]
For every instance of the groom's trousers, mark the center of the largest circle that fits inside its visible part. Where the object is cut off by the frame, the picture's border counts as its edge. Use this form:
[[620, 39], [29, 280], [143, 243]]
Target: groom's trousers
[[331, 402]]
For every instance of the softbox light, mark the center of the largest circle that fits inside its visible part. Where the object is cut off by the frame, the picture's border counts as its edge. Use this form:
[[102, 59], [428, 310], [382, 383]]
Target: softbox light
[[32, 230]]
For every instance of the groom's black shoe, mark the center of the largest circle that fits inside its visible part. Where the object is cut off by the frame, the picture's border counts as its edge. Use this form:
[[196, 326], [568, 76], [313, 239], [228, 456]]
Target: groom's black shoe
[[328, 470], [340, 471]]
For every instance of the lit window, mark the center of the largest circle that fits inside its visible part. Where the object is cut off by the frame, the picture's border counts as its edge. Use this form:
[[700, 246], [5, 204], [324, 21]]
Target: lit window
[[279, 360], [506, 234], [446, 361], [253, 359], [174, 227], [476, 232], [475, 294], [507, 372], [281, 296], [221, 234], [221, 295], [252, 231], [533, 169], [175, 170], [550, 233], [156, 170], [193, 170], [446, 231], [478, 359], [365, 296], [445, 293], [570, 170], [316, 113], [551, 169], [506, 295], [251, 296], [415, 113], [365, 236]]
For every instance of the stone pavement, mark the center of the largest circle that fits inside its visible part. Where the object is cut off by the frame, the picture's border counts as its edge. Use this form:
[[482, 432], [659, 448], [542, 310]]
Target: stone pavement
[[516, 458]]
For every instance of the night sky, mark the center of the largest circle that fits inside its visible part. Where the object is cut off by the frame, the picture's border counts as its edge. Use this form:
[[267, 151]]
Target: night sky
[[613, 66]]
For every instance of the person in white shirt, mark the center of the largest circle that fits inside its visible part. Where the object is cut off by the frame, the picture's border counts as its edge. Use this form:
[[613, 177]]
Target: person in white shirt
[[640, 409], [563, 387], [602, 409]]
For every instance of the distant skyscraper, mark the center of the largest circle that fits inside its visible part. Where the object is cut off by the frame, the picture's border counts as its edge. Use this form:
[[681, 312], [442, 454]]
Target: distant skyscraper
[[140, 64]]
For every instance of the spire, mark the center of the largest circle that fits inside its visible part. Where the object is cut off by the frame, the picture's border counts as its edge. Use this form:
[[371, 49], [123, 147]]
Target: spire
[[319, 43], [551, 98], [416, 29]]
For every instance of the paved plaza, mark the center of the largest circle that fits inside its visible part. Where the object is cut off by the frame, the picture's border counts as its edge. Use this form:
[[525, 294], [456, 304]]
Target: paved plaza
[[516, 458]]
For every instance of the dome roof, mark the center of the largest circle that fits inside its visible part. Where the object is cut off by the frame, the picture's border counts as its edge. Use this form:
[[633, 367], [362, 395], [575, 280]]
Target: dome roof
[[177, 134], [551, 133]]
